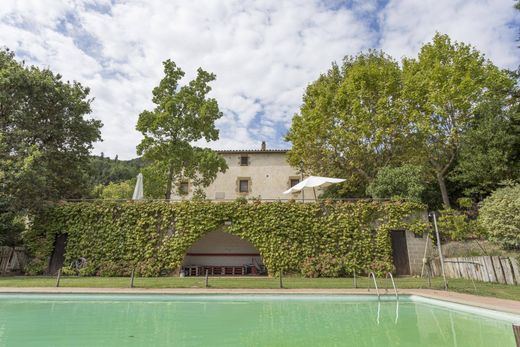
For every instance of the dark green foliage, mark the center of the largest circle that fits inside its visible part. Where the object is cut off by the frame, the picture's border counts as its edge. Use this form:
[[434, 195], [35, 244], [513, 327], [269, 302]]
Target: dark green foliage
[[105, 170], [405, 181], [153, 237], [45, 138], [11, 224]]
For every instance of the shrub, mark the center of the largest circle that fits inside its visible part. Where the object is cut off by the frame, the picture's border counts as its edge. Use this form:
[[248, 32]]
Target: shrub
[[402, 182], [500, 216], [114, 268], [119, 190], [457, 226], [380, 268], [68, 271], [309, 267], [324, 265]]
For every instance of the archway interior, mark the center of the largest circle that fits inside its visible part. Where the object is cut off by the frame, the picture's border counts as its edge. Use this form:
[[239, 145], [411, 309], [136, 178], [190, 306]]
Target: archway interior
[[221, 253]]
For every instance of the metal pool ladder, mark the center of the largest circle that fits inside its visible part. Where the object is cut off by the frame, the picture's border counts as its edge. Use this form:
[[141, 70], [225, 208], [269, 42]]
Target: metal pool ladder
[[373, 275], [393, 284]]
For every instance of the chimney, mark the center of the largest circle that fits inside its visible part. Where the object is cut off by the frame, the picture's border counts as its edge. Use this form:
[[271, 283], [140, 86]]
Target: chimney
[[263, 146]]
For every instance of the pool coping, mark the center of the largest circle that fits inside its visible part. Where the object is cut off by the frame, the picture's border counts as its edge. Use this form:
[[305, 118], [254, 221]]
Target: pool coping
[[503, 305]]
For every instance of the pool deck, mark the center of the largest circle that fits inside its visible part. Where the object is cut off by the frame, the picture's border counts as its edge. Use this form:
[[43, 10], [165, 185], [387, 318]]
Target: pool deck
[[510, 306]]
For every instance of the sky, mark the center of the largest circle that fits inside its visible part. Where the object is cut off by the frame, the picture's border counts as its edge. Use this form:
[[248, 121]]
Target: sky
[[264, 53]]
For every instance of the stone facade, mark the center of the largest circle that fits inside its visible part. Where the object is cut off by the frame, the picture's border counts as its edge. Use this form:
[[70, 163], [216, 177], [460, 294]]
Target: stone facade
[[415, 245], [263, 173]]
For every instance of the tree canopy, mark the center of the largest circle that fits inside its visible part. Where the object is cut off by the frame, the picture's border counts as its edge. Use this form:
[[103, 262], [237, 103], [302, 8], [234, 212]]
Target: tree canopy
[[350, 123], [445, 90], [182, 115], [45, 135], [449, 111]]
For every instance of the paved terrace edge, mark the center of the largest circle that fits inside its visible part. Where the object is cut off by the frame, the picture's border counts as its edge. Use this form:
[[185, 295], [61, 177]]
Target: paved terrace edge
[[510, 306]]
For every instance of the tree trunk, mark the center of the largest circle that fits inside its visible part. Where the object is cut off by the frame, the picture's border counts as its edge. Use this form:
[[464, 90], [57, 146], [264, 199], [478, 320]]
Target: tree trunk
[[169, 183], [444, 191]]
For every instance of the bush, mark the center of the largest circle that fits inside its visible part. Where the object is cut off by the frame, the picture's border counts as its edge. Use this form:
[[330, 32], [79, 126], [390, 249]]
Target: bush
[[380, 268], [402, 182], [500, 216], [456, 225], [119, 190], [114, 268], [324, 265]]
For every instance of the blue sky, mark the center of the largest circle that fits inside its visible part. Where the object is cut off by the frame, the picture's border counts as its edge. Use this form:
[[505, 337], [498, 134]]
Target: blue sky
[[264, 53]]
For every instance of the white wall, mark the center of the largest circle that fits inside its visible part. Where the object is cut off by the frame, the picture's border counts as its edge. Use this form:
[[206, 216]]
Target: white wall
[[269, 173]]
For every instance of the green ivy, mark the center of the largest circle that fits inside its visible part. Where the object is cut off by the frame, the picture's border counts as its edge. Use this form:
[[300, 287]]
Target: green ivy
[[153, 237]]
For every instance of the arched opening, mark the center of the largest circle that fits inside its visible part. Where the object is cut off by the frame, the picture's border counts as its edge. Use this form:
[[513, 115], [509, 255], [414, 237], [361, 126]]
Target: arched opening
[[222, 254]]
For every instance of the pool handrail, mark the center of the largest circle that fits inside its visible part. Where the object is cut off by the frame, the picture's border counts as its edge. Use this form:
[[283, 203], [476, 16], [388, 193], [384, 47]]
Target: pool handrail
[[373, 275], [393, 284]]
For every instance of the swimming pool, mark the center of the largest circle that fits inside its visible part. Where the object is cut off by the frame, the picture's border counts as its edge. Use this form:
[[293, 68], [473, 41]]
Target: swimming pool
[[246, 320]]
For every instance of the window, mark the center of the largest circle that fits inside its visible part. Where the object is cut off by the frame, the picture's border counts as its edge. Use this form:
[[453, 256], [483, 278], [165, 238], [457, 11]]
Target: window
[[243, 186], [183, 188], [244, 161], [294, 181]]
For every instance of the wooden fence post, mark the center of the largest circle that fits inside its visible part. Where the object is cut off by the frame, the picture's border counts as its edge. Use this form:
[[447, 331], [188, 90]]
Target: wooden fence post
[[58, 278], [516, 331]]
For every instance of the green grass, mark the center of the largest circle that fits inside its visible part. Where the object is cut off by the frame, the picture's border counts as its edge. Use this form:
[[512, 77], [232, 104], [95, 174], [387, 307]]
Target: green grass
[[458, 285]]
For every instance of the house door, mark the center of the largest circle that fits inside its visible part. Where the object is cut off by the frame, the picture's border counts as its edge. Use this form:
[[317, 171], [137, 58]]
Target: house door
[[58, 255], [400, 252]]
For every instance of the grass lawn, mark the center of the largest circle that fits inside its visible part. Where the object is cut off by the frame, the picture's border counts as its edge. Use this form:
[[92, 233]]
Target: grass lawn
[[458, 285]]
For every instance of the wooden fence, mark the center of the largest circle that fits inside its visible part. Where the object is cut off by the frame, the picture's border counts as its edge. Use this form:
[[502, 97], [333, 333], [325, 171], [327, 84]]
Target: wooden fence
[[495, 269], [12, 259]]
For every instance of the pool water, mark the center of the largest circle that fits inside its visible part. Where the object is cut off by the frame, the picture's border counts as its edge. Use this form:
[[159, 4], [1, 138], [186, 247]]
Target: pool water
[[243, 320]]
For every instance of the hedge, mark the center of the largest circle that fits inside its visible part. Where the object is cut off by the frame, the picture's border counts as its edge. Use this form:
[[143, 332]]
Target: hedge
[[152, 237]]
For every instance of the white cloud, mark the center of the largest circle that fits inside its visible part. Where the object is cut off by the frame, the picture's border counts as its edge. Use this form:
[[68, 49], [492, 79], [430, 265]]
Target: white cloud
[[488, 25], [264, 53]]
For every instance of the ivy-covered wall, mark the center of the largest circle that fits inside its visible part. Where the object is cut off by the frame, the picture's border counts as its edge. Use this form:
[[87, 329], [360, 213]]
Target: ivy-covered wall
[[153, 237]]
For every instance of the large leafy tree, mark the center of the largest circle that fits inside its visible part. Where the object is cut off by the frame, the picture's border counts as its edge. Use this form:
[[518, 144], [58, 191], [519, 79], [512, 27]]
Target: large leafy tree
[[489, 151], [445, 90], [350, 123], [182, 115], [45, 137]]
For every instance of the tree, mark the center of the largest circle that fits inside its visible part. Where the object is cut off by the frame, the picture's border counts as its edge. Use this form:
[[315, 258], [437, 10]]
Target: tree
[[104, 170], [487, 153], [11, 224], [443, 90], [44, 137], [182, 115], [405, 181], [350, 123], [115, 191]]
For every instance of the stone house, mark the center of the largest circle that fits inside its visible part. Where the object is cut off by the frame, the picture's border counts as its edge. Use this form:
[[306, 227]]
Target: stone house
[[252, 173]]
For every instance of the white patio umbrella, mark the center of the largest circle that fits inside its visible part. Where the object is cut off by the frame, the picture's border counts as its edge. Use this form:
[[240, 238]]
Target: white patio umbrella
[[138, 190], [313, 182]]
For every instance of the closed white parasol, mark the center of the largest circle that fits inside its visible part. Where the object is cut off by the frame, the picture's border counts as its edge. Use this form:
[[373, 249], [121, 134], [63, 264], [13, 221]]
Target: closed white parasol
[[138, 190], [313, 182]]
